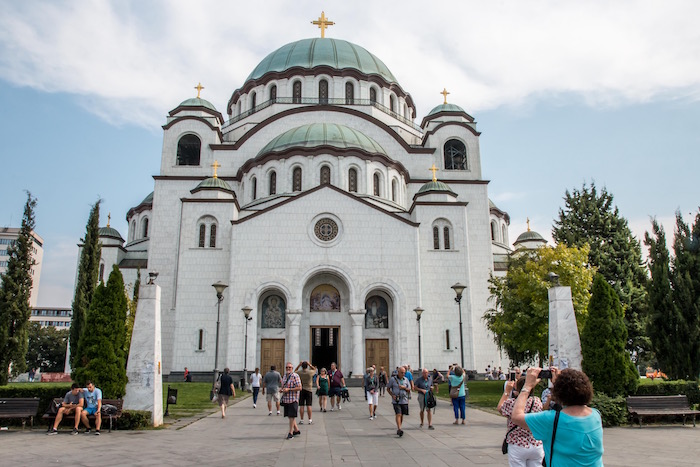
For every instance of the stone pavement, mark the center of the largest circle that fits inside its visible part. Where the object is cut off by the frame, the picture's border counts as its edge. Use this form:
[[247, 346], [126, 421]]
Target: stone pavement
[[249, 437]]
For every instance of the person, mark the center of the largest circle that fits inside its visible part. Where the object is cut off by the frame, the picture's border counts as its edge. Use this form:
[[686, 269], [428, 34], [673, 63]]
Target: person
[[523, 449], [423, 385], [271, 384], [32, 374], [518, 374], [488, 373], [372, 392], [93, 406], [188, 376], [291, 386], [306, 375], [546, 398], [437, 379], [409, 376], [255, 381], [225, 391], [399, 388], [323, 385], [383, 379], [72, 404], [337, 383], [458, 404], [579, 428]]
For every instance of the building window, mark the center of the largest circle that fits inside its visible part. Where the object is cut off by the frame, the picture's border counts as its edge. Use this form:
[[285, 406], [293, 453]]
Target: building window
[[202, 235], [455, 155], [377, 316], [253, 100], [446, 233], [238, 107], [200, 340], [447, 339], [349, 93], [503, 234], [493, 231], [102, 273], [393, 190], [392, 103], [145, 228], [325, 175], [372, 95], [352, 180], [323, 91], [273, 93], [188, 150], [212, 236], [376, 184], [273, 183], [255, 188], [296, 179], [296, 92], [436, 238]]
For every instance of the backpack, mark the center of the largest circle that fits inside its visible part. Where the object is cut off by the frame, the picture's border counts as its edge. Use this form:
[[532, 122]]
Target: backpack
[[430, 401]]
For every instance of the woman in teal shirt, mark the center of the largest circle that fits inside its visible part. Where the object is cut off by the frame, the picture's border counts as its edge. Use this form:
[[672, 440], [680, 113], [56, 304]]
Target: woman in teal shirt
[[458, 404], [579, 430]]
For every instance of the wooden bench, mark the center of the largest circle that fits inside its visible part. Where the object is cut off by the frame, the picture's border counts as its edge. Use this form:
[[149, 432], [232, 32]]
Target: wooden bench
[[24, 408], [118, 403], [660, 405]]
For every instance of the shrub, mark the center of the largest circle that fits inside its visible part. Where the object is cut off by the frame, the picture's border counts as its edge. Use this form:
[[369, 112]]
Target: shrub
[[130, 420], [613, 410], [45, 393], [671, 388]]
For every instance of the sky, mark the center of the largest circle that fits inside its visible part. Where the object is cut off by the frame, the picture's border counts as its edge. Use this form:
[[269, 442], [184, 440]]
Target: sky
[[564, 93]]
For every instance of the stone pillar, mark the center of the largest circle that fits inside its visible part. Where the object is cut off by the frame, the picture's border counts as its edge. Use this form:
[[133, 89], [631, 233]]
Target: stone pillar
[[564, 342], [144, 391], [358, 348], [292, 344]]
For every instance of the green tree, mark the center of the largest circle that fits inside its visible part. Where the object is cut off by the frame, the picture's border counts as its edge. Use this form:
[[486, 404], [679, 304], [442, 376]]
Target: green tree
[[520, 318], [88, 271], [591, 217], [605, 360], [47, 347], [101, 352], [132, 304], [15, 291]]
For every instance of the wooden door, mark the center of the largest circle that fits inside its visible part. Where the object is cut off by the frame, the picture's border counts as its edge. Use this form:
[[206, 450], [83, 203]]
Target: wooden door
[[271, 353], [377, 353]]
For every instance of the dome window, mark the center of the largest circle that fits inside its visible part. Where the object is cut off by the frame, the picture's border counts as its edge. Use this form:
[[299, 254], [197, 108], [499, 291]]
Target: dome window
[[145, 228], [273, 183], [296, 92], [273, 93], [188, 150], [296, 179], [392, 103], [375, 184], [254, 188], [349, 93], [325, 175], [455, 155], [253, 100], [393, 190], [352, 181], [323, 92], [372, 95]]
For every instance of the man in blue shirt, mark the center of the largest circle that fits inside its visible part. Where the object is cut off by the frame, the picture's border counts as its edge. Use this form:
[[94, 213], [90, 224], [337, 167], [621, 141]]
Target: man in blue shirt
[[93, 406], [399, 388]]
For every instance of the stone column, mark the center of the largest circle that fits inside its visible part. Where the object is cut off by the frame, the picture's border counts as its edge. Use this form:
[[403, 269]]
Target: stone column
[[292, 344], [144, 391], [564, 342], [358, 348]]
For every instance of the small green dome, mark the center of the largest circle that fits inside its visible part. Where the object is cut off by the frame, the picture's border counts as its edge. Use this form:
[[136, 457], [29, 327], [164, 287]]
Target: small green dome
[[435, 185], [446, 108], [213, 182], [530, 236], [109, 232], [147, 200], [310, 53], [198, 102], [323, 134]]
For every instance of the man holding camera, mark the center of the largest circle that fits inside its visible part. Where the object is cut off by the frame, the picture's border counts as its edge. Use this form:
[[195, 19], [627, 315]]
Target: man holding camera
[[306, 374], [399, 388]]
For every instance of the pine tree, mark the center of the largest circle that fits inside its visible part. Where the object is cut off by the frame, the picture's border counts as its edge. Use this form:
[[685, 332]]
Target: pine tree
[[88, 271], [591, 217], [15, 291], [603, 339], [101, 354]]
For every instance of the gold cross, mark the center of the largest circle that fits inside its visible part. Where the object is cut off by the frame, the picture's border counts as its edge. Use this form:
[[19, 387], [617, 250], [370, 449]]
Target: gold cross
[[199, 88], [444, 94], [528, 224], [434, 169], [322, 22], [216, 165], [109, 218]]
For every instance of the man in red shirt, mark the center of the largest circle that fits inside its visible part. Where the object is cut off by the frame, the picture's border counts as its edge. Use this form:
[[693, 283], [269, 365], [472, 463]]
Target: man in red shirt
[[291, 385], [337, 383]]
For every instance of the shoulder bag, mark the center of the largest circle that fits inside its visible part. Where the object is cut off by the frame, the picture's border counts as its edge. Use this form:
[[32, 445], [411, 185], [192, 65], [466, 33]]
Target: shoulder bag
[[504, 446], [454, 390], [554, 434]]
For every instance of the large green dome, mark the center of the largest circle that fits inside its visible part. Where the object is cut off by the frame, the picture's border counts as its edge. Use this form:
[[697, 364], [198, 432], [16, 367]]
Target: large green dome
[[446, 108], [323, 134], [197, 102], [310, 53]]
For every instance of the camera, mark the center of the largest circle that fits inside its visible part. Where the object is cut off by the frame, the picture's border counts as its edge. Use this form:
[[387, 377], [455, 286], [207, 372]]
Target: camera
[[512, 376], [545, 374]]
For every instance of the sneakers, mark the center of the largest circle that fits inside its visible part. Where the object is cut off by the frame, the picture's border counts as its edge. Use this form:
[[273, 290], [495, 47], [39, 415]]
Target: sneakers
[[254, 405], [269, 413], [301, 422], [431, 427], [400, 433], [310, 421], [74, 432], [278, 412], [339, 407], [371, 417], [97, 432], [296, 433], [87, 432], [332, 409], [290, 436], [52, 432]]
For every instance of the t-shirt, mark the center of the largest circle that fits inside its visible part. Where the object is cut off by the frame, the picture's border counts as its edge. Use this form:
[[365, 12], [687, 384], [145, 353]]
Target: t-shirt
[[457, 381], [579, 440], [272, 381], [520, 436], [371, 382], [307, 379], [393, 386], [336, 379], [71, 398], [91, 398], [409, 375], [422, 383], [255, 380], [226, 382]]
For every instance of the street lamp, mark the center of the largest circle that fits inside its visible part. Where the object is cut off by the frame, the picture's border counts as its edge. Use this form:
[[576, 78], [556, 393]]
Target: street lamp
[[459, 288], [220, 287], [246, 311], [419, 311]]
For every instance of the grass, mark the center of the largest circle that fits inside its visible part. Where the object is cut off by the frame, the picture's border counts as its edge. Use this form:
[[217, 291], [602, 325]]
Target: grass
[[192, 399], [482, 394]]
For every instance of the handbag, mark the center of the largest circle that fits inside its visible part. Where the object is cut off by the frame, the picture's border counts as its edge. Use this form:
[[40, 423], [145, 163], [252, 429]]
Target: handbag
[[454, 390], [554, 434]]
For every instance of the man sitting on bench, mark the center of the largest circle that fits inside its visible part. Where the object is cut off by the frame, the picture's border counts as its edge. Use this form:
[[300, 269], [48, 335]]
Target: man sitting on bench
[[72, 404], [93, 406]]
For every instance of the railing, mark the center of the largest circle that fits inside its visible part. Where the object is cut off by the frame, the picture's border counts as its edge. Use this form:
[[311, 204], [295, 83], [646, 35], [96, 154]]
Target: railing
[[320, 101]]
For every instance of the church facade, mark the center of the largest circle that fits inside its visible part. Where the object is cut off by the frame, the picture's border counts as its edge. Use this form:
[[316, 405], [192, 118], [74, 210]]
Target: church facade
[[314, 202]]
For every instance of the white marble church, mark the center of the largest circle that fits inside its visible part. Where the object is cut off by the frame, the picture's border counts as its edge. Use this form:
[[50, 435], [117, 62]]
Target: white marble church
[[314, 201]]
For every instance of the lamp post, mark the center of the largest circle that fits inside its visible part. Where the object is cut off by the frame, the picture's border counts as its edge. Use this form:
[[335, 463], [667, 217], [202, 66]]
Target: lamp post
[[459, 288], [220, 287], [419, 311], [246, 311]]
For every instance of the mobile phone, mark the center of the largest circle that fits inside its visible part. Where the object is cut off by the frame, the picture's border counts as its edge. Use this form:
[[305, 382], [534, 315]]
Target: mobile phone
[[545, 374], [512, 376]]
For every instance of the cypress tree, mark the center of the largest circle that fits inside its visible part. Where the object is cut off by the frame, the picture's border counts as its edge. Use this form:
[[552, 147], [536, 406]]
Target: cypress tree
[[605, 360], [15, 291], [101, 352], [88, 271]]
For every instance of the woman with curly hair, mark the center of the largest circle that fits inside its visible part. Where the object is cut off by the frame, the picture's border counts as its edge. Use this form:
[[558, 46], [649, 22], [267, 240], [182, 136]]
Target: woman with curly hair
[[523, 449], [572, 436]]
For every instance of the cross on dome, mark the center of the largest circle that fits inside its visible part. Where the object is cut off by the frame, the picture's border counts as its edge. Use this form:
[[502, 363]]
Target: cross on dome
[[109, 218], [434, 169], [199, 88], [216, 165], [322, 22], [528, 224], [444, 94]]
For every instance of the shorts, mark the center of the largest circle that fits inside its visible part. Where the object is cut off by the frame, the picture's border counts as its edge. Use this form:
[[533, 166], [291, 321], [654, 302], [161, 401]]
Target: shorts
[[90, 410], [223, 399], [373, 399], [421, 402], [305, 398], [334, 391], [270, 396], [400, 409], [291, 409]]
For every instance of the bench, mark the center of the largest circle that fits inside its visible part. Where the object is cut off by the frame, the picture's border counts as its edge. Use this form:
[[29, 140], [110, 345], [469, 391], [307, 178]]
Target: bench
[[24, 408], [50, 415], [660, 405]]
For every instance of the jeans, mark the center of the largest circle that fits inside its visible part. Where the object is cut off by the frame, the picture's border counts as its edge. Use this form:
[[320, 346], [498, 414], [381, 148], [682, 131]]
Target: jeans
[[458, 405], [255, 395]]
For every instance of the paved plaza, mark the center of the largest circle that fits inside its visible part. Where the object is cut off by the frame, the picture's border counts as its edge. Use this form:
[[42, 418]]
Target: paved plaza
[[249, 437]]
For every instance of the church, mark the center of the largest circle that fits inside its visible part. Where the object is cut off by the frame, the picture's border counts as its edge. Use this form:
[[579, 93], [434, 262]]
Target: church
[[339, 222]]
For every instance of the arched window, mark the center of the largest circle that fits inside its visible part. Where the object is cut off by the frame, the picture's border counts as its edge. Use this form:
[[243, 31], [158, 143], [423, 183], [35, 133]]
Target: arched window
[[238, 107], [325, 175], [188, 150], [376, 184], [273, 93], [445, 227], [455, 155], [503, 234], [405, 111], [436, 238], [323, 91], [255, 188], [296, 92], [253, 100], [493, 231], [296, 179], [212, 236], [349, 93], [377, 316], [144, 230], [446, 233], [352, 180], [372, 95], [392, 103], [132, 234], [393, 190], [102, 272], [273, 183], [202, 235]]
